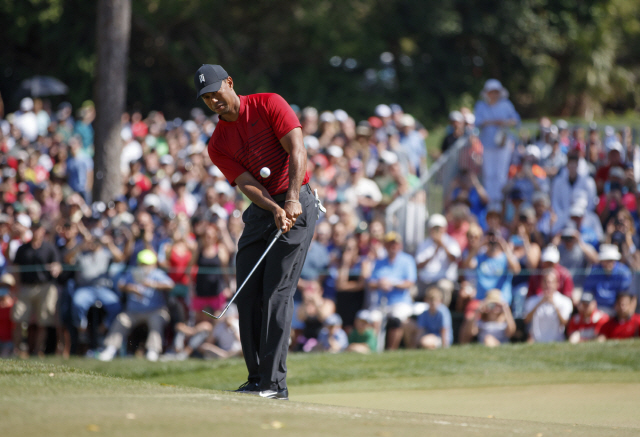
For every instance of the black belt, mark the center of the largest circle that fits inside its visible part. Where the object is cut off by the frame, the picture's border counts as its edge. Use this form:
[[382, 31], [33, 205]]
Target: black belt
[[283, 196]]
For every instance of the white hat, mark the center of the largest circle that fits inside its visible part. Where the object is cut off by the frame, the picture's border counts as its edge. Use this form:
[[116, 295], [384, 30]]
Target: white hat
[[494, 85], [469, 118], [152, 200], [222, 187], [609, 130], [407, 120], [616, 172], [609, 252], [327, 117], [437, 220], [615, 145], [26, 104], [364, 315], [195, 149], [550, 254], [311, 142], [456, 116], [341, 115], [533, 150], [190, 126], [383, 111], [215, 172], [24, 220], [166, 159], [562, 124], [388, 157], [335, 151], [577, 210]]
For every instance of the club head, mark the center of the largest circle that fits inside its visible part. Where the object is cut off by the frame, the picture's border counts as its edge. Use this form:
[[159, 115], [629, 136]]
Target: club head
[[212, 316]]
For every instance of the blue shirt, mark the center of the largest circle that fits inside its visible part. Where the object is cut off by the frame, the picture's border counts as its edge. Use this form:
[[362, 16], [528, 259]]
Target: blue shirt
[[403, 268], [151, 298], [502, 110], [605, 287], [433, 323], [340, 336], [414, 146], [493, 273], [77, 169], [316, 263]]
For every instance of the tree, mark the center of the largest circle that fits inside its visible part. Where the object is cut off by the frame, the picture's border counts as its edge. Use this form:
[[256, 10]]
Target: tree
[[113, 32]]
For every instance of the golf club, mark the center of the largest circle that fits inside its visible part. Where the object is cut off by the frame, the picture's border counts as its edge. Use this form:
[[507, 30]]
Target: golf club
[[278, 234]]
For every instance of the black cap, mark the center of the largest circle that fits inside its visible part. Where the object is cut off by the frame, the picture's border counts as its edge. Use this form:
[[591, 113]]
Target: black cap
[[587, 297], [208, 79]]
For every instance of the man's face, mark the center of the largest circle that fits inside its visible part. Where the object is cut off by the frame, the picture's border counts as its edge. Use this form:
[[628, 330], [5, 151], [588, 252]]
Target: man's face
[[393, 248], [625, 306], [436, 232], [586, 308], [572, 166], [608, 265], [549, 283], [220, 100]]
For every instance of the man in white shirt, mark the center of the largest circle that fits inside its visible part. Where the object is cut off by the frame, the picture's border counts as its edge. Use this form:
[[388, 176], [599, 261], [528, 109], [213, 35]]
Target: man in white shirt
[[547, 313], [437, 259], [26, 120], [363, 193]]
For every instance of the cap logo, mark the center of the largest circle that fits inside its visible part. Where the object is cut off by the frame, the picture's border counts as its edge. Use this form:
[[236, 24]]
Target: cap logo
[[202, 78]]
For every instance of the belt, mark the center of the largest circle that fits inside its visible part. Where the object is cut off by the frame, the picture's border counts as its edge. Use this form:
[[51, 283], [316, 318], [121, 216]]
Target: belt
[[283, 196]]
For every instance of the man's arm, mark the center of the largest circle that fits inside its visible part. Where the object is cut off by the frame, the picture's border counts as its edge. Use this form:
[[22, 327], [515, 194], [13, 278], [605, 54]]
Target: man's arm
[[294, 146], [259, 195]]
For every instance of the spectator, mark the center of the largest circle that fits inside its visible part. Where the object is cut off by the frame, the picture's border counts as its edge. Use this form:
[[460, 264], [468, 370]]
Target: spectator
[[26, 120], [332, 337], [353, 272], [548, 313], [616, 196], [551, 260], [437, 260], [569, 185], [412, 143], [587, 223], [575, 255], [608, 278], [458, 224], [614, 159], [362, 338], [586, 325], [495, 114], [494, 324], [456, 129], [527, 251], [7, 282], [39, 263], [468, 186], [145, 287], [92, 258], [529, 177], [390, 281], [363, 193], [312, 313], [545, 217], [434, 324], [624, 323]]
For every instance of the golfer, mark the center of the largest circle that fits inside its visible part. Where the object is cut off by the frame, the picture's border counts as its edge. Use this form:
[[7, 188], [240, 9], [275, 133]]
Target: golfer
[[254, 132]]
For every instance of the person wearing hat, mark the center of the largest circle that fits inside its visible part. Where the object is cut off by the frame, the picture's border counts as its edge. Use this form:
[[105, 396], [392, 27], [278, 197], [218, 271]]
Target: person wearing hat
[[550, 259], [7, 282], [412, 143], [587, 222], [494, 324], [616, 195], [615, 158], [457, 130], [568, 185], [437, 259], [253, 132], [495, 115], [608, 278], [145, 286], [362, 193], [39, 263], [390, 282], [362, 338], [467, 183], [26, 120], [586, 324], [548, 313], [575, 255], [529, 177], [433, 324], [332, 337], [625, 323]]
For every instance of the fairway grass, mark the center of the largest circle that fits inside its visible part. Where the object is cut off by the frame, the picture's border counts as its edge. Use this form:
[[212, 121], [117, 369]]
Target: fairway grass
[[517, 390]]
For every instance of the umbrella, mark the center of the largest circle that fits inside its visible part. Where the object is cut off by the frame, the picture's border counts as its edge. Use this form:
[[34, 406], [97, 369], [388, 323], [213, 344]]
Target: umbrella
[[39, 86]]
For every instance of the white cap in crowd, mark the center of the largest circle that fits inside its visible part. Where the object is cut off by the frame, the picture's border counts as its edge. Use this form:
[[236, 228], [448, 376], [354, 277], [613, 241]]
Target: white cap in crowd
[[550, 254], [383, 111], [437, 220], [609, 252]]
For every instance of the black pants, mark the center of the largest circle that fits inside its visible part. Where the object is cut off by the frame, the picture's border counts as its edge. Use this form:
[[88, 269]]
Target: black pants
[[265, 304]]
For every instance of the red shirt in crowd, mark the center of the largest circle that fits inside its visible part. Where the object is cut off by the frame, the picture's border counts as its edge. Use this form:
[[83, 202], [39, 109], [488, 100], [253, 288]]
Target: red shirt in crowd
[[565, 282], [589, 329], [253, 141], [6, 324], [620, 329]]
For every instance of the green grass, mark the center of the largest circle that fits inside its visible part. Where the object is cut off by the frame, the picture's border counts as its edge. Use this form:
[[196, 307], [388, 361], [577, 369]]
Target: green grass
[[474, 390]]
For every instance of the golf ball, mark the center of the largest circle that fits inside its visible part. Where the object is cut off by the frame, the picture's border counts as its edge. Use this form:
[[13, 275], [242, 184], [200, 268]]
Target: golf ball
[[265, 172]]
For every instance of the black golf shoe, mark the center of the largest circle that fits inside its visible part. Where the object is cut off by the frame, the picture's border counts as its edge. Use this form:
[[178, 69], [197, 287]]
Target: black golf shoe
[[282, 394], [248, 388]]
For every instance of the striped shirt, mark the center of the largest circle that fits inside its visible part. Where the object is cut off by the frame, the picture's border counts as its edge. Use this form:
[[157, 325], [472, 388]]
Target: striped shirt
[[252, 142]]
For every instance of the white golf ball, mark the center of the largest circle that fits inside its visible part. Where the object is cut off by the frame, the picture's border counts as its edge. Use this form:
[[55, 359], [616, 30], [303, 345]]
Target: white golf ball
[[265, 172]]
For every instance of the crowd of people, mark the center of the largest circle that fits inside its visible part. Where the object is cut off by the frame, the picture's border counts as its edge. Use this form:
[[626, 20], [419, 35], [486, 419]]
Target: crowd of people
[[536, 241]]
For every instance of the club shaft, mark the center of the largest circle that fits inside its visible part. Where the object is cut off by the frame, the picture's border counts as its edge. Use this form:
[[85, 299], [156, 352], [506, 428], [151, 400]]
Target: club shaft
[[275, 238]]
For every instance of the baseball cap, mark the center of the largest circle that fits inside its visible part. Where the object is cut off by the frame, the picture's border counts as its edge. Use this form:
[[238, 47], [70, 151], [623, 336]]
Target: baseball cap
[[333, 320], [147, 257], [587, 297], [364, 315], [569, 230], [437, 220], [550, 254], [208, 79], [456, 116], [392, 237], [7, 279], [609, 252]]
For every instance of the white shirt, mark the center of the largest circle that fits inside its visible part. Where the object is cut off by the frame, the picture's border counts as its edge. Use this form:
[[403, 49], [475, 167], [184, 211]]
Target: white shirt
[[364, 187], [131, 152], [226, 337], [545, 325], [27, 122], [439, 267]]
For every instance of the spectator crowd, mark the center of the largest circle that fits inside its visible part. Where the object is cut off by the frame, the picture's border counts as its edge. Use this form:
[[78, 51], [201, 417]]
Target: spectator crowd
[[536, 240]]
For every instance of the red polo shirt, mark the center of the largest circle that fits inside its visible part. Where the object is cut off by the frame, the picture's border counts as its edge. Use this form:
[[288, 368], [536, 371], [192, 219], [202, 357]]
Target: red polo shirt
[[253, 141], [619, 329], [589, 329]]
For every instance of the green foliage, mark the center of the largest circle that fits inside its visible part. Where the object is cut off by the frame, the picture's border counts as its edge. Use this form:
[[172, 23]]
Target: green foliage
[[569, 57]]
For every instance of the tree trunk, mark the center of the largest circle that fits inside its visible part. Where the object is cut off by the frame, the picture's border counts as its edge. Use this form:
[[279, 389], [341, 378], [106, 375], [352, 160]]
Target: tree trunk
[[110, 94]]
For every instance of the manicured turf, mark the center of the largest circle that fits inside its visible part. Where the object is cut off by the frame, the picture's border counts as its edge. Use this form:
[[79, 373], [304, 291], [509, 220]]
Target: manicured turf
[[451, 392]]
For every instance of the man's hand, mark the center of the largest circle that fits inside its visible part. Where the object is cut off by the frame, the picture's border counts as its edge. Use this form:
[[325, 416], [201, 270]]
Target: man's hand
[[282, 220], [293, 210]]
